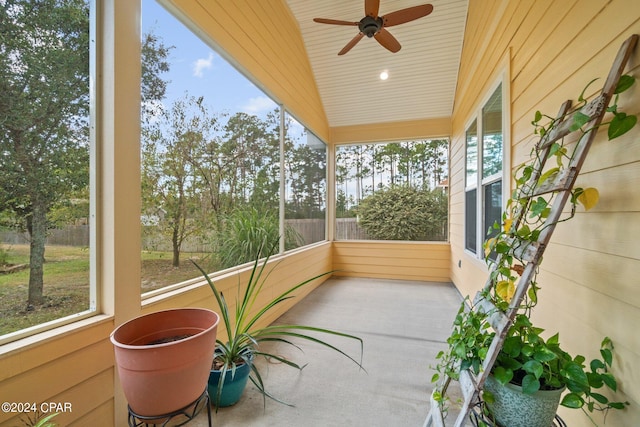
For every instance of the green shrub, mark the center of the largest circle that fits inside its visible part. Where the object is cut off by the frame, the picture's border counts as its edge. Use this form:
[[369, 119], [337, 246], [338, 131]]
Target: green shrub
[[404, 213]]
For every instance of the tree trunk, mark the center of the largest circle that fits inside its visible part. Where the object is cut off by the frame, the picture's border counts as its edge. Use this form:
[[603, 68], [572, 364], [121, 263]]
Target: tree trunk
[[176, 247], [37, 226]]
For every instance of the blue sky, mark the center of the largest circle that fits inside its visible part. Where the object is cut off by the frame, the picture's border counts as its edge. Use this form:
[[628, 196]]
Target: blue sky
[[199, 70]]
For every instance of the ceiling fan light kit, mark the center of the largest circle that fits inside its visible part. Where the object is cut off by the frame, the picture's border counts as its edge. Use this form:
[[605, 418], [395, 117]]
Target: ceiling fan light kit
[[373, 25]]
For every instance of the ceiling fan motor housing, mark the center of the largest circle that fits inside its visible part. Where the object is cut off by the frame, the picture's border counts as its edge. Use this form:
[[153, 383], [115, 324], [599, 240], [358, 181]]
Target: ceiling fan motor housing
[[369, 25]]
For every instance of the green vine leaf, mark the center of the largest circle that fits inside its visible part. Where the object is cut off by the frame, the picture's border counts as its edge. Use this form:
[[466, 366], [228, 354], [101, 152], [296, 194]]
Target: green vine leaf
[[538, 207], [624, 83], [579, 120], [551, 173], [621, 124], [530, 384], [572, 400]]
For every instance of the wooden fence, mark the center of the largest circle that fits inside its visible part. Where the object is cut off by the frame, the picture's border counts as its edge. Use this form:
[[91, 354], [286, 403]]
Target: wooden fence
[[311, 230]]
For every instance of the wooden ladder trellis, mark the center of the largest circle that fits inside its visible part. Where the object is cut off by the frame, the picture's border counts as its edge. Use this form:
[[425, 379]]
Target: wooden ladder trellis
[[470, 384]]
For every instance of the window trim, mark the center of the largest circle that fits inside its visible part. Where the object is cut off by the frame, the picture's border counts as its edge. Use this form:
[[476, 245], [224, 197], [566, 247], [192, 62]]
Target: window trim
[[503, 79], [94, 292]]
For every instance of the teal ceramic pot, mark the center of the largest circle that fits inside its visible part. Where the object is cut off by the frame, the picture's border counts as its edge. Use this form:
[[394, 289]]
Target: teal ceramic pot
[[232, 388], [513, 408]]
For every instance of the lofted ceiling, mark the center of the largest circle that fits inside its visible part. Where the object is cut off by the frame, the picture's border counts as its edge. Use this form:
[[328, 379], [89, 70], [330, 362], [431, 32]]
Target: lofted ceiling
[[422, 75]]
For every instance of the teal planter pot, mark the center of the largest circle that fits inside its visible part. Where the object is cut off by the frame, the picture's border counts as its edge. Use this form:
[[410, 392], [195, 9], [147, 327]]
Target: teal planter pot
[[232, 387], [513, 408]]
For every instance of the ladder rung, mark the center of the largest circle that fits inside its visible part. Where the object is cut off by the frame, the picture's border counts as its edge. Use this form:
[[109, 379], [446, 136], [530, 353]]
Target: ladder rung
[[526, 252], [497, 319], [561, 182], [593, 109]]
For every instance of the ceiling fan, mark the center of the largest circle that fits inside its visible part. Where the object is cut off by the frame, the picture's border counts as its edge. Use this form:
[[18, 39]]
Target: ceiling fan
[[373, 25]]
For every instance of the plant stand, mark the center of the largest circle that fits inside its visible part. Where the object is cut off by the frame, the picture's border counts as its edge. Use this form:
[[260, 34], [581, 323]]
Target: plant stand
[[477, 416], [187, 413]]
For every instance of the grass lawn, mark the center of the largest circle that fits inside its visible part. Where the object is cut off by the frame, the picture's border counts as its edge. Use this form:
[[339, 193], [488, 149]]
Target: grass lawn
[[66, 282]]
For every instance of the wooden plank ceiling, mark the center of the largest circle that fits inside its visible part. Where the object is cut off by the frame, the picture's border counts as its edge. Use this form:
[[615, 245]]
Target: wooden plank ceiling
[[422, 75]]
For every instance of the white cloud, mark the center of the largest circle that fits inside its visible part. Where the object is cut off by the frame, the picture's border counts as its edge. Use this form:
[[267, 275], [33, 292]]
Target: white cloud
[[259, 104], [202, 64]]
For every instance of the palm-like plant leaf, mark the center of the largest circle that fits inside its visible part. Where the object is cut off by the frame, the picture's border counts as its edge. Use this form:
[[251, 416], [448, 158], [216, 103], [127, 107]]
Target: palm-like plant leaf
[[243, 338]]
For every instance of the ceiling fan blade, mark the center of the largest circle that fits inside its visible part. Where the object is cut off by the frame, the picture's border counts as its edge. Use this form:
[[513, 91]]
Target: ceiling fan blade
[[405, 15], [387, 40], [333, 21], [351, 44], [371, 7]]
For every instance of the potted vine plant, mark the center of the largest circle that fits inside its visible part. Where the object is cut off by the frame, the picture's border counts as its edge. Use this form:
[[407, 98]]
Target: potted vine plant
[[535, 372], [528, 364], [234, 355]]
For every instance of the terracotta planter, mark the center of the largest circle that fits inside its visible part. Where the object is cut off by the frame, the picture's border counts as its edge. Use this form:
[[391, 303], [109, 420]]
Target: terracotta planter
[[513, 408], [164, 358]]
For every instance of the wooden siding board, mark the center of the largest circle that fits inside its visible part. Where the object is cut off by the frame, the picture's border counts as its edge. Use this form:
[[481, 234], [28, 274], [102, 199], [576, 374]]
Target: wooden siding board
[[99, 416], [398, 260], [531, 59], [268, 20], [593, 326], [27, 358], [84, 397], [604, 274], [57, 376], [566, 57]]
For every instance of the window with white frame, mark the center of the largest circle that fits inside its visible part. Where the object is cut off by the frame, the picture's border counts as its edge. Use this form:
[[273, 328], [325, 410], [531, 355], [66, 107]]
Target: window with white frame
[[484, 170], [47, 158], [216, 167]]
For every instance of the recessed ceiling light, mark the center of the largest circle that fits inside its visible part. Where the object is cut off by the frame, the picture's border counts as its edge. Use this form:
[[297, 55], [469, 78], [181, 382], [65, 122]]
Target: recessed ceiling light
[[384, 75]]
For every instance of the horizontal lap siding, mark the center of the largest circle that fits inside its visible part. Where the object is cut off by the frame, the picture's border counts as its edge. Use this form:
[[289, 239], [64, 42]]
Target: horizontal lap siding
[[392, 260], [590, 272], [76, 367]]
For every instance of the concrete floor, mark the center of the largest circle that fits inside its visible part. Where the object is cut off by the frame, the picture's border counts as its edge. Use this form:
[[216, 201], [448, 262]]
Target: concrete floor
[[403, 324]]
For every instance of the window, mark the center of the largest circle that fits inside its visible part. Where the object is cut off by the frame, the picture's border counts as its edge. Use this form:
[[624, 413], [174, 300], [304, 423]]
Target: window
[[392, 191], [305, 166], [46, 139], [484, 170], [213, 175]]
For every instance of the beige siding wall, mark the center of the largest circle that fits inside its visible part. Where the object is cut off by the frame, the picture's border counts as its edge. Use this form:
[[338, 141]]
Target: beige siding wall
[[392, 260], [263, 40], [590, 272], [74, 366]]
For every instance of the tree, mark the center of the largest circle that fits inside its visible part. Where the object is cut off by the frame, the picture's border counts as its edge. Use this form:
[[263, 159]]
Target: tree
[[154, 63], [174, 149], [44, 106]]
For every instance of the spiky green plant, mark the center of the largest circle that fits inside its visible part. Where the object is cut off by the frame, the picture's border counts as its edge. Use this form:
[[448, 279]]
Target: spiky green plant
[[243, 338], [244, 231]]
